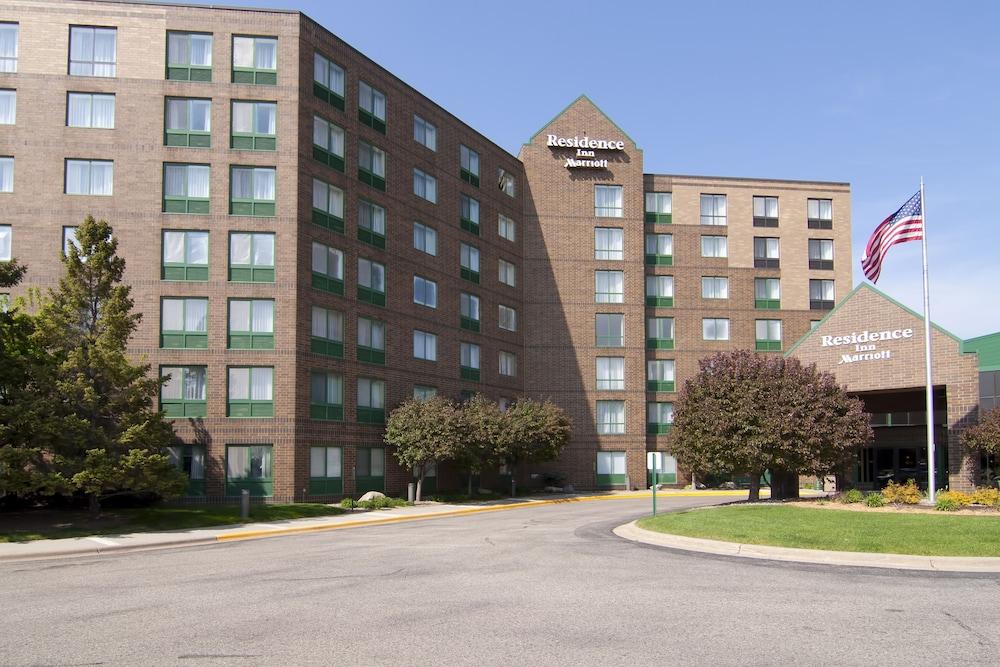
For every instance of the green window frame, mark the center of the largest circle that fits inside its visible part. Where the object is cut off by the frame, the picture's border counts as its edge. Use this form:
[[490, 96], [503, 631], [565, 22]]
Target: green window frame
[[250, 189], [326, 471], [327, 268], [468, 307], [660, 291], [189, 56], [251, 324], [369, 469], [660, 249], [469, 214], [328, 206], [371, 165], [186, 188], [185, 255], [328, 143], [190, 459], [768, 335], [656, 327], [190, 314], [611, 470], [187, 122], [371, 223], [371, 401], [371, 107], [326, 396], [661, 375], [371, 282], [666, 469], [469, 362], [328, 81], [255, 60], [659, 207], [250, 391], [251, 257], [659, 417], [185, 393], [469, 259], [371, 340], [327, 333], [250, 467], [767, 293], [609, 329], [254, 125], [468, 165]]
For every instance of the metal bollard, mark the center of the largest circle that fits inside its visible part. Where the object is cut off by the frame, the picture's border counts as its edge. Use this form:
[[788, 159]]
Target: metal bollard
[[411, 492], [245, 503]]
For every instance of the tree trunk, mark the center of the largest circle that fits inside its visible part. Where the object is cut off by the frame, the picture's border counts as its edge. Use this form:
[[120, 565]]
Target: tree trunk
[[420, 483], [513, 481], [784, 485], [94, 505], [470, 483], [754, 486]]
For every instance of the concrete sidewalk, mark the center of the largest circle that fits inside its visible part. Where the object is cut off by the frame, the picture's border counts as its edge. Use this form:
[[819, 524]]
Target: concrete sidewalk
[[631, 531]]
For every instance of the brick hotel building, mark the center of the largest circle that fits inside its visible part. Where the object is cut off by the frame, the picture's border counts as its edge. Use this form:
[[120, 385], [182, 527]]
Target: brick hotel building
[[311, 241]]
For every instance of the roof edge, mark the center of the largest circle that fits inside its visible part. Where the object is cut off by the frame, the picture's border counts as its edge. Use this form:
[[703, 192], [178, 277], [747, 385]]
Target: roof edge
[[582, 96]]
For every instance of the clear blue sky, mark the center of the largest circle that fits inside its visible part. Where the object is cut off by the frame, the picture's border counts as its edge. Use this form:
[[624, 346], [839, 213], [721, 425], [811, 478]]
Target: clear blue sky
[[873, 93]]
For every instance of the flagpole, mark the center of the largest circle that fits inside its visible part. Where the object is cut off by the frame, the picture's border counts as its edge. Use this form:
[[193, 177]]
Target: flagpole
[[931, 486]]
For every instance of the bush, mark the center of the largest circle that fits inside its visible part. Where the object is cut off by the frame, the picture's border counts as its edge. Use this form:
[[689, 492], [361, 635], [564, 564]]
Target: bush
[[986, 496], [381, 503], [348, 503], [949, 501], [852, 496], [874, 499], [902, 494]]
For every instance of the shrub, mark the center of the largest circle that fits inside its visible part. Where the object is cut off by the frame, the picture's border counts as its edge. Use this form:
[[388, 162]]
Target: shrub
[[902, 494], [852, 496], [381, 503], [949, 501], [986, 496], [348, 503], [874, 499]]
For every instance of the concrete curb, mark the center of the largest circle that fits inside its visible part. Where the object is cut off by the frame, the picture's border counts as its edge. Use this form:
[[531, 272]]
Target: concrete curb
[[632, 532]]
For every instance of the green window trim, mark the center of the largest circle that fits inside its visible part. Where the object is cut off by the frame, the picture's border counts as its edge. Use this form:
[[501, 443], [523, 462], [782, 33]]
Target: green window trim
[[328, 221], [767, 304], [187, 139], [371, 415], [196, 73], [326, 347], [371, 238], [470, 275], [660, 260], [768, 346], [255, 76], [192, 205], [467, 373], [470, 226], [661, 218], [183, 340], [243, 408], [326, 411], [660, 301], [369, 295], [659, 343], [368, 178], [252, 141], [469, 177], [181, 408], [183, 272], [469, 323], [371, 355], [250, 341], [336, 100], [369, 119], [251, 207], [327, 284], [250, 273], [658, 429], [329, 159], [326, 486], [654, 385]]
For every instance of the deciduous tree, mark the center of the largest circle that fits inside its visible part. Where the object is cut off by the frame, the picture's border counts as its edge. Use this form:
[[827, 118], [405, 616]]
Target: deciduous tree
[[533, 432], [424, 433]]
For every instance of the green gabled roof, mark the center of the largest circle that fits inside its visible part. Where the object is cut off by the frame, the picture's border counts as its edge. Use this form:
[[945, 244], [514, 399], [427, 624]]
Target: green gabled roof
[[567, 107], [885, 296], [988, 349]]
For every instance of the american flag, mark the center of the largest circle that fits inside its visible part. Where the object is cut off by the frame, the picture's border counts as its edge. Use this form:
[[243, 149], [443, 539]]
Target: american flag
[[906, 224]]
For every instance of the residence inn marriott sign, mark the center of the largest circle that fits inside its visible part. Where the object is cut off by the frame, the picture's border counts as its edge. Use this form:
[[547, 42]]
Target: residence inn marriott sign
[[864, 346]]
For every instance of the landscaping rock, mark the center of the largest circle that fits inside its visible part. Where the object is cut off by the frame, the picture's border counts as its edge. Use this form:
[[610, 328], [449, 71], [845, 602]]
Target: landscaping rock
[[569, 489], [371, 495]]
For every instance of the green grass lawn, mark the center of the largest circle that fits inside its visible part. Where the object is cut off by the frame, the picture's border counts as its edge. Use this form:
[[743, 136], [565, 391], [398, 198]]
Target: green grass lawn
[[52, 524], [837, 530]]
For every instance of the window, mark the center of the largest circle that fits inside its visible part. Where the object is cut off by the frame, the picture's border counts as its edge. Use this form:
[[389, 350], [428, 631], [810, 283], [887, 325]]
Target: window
[[609, 243], [423, 392], [768, 334], [508, 273], [4, 302], [424, 292], [713, 209], [469, 258], [425, 186], [660, 375], [424, 133], [185, 188], [184, 394], [659, 206], [6, 174], [820, 294], [660, 333], [327, 334], [660, 249], [189, 56], [187, 122], [468, 308], [608, 201], [251, 392], [370, 469], [507, 318], [328, 81], [371, 340], [328, 206], [8, 47], [819, 213], [506, 182], [92, 51], [424, 345], [184, 323], [767, 293], [5, 243], [765, 211], [821, 254], [659, 417], [715, 328], [254, 126], [255, 60], [660, 291], [611, 466], [424, 238], [611, 373], [371, 403], [469, 214], [190, 459], [469, 361], [328, 143], [327, 268], [185, 255], [249, 467], [714, 246], [326, 471], [765, 253], [251, 324], [507, 228], [610, 329], [371, 107], [371, 223], [371, 282], [69, 240], [87, 110], [371, 165], [610, 418], [251, 257], [663, 469], [326, 396], [469, 164], [714, 287], [609, 286], [508, 364], [252, 191], [8, 106], [86, 177]]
